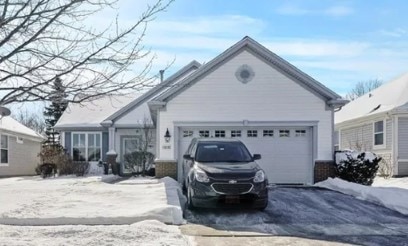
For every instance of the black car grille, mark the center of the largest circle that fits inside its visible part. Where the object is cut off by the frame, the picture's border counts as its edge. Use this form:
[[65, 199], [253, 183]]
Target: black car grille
[[232, 189]]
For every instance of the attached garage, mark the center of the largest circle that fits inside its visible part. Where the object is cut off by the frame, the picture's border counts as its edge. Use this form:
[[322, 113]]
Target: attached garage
[[287, 151], [251, 94]]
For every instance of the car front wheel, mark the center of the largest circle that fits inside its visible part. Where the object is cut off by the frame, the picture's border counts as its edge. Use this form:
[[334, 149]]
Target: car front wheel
[[190, 204]]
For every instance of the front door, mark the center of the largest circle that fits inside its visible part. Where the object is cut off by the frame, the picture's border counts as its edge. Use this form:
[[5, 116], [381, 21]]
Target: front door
[[129, 145]]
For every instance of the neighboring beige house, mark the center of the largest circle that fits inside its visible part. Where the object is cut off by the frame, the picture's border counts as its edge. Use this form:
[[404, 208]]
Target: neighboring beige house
[[378, 122], [247, 92], [18, 149]]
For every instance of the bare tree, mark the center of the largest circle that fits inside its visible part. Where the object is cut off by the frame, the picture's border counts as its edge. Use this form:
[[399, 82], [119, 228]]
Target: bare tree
[[363, 87], [31, 120], [41, 40], [140, 157]]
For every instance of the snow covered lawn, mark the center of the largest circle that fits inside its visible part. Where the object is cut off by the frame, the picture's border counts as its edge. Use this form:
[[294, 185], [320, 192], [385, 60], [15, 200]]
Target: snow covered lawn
[[87, 201], [391, 182], [145, 233], [386, 194]]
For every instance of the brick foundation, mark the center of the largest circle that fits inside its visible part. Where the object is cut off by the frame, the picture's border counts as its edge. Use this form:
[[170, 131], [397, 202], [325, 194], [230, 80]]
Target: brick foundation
[[323, 170], [166, 168]]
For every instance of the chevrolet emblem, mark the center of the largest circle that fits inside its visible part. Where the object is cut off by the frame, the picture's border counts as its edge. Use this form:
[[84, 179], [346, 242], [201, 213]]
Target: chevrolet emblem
[[232, 182]]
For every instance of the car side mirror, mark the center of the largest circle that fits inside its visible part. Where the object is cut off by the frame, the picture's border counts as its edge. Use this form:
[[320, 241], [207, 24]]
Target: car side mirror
[[256, 157], [188, 157]]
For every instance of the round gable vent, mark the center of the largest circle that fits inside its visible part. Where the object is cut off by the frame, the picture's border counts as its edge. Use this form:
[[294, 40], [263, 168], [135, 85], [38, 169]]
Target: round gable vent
[[244, 73]]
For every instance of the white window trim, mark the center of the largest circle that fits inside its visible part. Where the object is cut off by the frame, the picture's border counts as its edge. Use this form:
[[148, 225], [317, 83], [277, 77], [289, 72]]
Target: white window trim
[[8, 151], [86, 143], [382, 146]]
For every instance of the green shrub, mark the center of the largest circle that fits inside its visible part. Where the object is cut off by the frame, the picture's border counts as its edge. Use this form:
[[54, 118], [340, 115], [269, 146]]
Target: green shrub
[[359, 168]]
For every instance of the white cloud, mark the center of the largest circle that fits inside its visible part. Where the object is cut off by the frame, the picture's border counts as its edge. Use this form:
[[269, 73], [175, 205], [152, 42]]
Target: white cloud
[[396, 33], [216, 25], [317, 48], [333, 11], [338, 11], [289, 9]]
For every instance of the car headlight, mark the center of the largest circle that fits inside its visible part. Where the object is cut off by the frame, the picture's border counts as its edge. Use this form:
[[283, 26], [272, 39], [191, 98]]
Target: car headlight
[[201, 176], [259, 176]]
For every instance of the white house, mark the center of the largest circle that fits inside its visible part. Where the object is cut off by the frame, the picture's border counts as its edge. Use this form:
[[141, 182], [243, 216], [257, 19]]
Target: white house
[[378, 122], [19, 148], [247, 92]]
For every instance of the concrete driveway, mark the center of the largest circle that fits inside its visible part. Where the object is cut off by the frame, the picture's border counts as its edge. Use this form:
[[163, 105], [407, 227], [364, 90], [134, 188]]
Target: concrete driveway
[[306, 216]]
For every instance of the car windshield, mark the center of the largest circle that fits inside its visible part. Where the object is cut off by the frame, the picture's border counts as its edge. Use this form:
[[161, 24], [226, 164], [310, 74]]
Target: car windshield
[[222, 152]]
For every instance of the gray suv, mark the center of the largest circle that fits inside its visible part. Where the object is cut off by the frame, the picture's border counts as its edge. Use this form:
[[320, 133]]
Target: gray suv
[[222, 173]]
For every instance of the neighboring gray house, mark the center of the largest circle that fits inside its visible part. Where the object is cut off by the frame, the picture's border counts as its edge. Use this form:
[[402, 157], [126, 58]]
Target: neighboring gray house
[[247, 92], [378, 122], [19, 148]]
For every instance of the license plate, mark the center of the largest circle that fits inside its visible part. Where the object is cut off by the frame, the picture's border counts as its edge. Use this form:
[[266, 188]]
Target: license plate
[[231, 199]]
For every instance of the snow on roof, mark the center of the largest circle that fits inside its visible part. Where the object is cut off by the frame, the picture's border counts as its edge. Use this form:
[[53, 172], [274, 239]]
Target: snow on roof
[[93, 113], [389, 96], [175, 83], [11, 125]]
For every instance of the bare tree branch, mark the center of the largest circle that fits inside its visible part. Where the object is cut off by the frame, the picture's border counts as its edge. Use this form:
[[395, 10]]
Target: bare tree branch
[[41, 40], [30, 120], [363, 87]]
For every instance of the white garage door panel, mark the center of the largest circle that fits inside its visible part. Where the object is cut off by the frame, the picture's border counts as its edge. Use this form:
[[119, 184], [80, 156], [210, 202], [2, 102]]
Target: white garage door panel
[[286, 160]]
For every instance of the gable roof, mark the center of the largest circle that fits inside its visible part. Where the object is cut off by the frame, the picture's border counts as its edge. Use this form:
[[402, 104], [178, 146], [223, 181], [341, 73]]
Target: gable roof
[[160, 88], [91, 114], [11, 125], [275, 60], [392, 95]]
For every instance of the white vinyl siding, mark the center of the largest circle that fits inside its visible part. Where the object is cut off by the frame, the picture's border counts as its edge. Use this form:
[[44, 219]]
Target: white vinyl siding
[[22, 158], [402, 146], [269, 97]]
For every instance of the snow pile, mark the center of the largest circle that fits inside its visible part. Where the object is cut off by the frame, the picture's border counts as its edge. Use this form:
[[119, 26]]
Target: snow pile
[[343, 156], [392, 198], [86, 201], [391, 182], [147, 232]]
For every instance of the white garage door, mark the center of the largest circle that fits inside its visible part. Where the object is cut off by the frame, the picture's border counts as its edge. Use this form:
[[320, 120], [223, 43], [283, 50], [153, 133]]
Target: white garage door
[[286, 151]]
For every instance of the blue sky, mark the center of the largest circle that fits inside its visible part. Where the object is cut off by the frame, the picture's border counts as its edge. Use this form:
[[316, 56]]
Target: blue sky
[[339, 43]]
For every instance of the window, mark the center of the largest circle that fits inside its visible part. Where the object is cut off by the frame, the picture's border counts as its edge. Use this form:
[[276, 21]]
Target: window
[[187, 134], [204, 133], [4, 149], [268, 133], [300, 133], [252, 133], [94, 147], [86, 146], [379, 133], [235, 133], [284, 133], [219, 134]]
